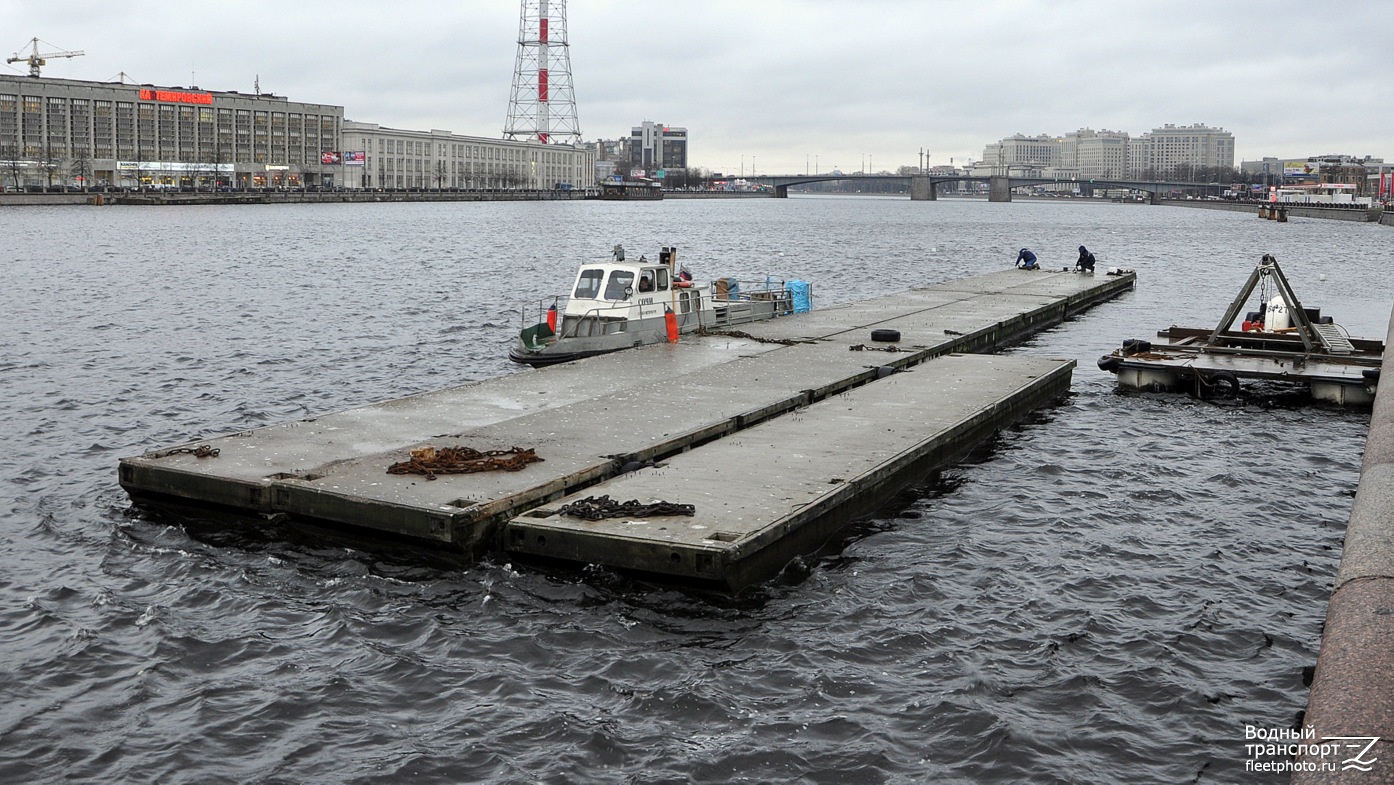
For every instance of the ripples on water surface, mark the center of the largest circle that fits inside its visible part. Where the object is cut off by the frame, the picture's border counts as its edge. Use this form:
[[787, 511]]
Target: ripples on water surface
[[1108, 592]]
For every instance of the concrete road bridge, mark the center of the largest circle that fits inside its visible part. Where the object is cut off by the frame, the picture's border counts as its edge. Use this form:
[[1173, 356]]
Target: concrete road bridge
[[925, 187]]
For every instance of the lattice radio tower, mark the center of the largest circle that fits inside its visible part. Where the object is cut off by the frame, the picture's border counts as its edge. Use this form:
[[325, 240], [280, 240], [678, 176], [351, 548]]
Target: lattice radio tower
[[543, 105]]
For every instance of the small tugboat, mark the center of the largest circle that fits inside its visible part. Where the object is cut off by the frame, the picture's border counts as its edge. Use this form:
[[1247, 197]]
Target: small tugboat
[[621, 303], [1281, 341]]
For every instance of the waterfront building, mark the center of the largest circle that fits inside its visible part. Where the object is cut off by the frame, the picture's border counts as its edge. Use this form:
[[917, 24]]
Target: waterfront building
[[992, 169], [73, 132], [1268, 167], [654, 146], [379, 157], [1367, 176], [1181, 151], [611, 158], [1370, 176], [1023, 155], [1090, 154]]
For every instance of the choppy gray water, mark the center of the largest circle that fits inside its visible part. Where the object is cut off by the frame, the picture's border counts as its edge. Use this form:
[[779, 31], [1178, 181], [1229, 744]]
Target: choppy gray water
[[1107, 593]]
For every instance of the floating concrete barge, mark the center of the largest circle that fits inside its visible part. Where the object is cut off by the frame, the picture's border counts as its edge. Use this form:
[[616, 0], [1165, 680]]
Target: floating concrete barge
[[777, 435], [782, 488]]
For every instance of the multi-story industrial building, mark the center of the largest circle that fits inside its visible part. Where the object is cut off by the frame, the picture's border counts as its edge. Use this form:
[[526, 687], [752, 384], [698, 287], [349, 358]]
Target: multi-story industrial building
[[70, 132], [654, 146], [378, 157], [66, 131], [1181, 151], [611, 158]]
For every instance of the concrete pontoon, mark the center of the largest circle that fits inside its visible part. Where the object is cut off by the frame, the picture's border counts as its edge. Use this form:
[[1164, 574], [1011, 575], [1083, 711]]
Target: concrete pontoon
[[783, 487], [691, 404]]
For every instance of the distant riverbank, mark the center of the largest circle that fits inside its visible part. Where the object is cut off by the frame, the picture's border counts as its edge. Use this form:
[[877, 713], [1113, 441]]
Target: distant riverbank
[[286, 197], [331, 197], [1372, 214]]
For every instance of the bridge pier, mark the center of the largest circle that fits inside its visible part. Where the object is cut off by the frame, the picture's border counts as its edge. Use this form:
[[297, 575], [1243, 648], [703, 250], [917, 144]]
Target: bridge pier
[[999, 189], [781, 192], [1155, 197], [922, 189]]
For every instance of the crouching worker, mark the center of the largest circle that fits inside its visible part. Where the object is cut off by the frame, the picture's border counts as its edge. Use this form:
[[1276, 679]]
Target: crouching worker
[[1086, 261], [1026, 260]]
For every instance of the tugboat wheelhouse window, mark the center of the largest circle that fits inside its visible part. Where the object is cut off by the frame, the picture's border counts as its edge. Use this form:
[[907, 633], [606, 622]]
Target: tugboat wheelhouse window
[[588, 286], [619, 281]]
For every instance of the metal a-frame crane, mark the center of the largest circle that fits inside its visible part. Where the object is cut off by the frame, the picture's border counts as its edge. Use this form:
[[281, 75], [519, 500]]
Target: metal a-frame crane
[[1316, 337], [35, 59]]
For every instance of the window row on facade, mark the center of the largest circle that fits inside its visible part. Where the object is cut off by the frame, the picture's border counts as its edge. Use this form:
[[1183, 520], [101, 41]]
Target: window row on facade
[[72, 128], [116, 134], [396, 158]]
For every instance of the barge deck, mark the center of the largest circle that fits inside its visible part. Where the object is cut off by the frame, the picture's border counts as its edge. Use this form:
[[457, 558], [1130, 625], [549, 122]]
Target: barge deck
[[596, 419]]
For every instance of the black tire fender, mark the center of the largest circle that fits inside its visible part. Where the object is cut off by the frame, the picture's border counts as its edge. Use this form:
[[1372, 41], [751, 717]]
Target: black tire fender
[[1221, 384], [885, 335], [1110, 363]]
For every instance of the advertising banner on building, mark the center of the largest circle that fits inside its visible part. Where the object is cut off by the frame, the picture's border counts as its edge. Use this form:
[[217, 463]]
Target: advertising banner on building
[[354, 157], [329, 157], [176, 97], [1300, 169]]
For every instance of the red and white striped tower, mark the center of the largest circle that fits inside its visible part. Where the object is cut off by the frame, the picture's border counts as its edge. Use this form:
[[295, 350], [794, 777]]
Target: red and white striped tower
[[543, 105]]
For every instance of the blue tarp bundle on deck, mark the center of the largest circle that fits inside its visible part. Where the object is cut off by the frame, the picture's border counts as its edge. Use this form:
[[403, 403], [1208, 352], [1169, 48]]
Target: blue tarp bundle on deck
[[802, 294]]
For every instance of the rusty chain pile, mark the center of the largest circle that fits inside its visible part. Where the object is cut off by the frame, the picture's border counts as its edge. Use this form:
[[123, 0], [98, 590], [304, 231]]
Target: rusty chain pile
[[201, 451], [861, 347], [756, 338], [594, 508], [431, 461]]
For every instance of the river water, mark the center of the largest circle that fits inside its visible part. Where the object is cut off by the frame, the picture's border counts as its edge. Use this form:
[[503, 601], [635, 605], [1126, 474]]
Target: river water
[[1109, 592]]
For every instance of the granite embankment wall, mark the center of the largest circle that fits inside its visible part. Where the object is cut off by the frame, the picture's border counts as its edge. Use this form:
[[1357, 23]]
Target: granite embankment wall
[[1352, 695], [1360, 214]]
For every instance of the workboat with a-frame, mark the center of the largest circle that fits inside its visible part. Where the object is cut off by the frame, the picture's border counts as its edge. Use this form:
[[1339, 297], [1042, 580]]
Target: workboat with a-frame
[[1280, 341], [623, 303]]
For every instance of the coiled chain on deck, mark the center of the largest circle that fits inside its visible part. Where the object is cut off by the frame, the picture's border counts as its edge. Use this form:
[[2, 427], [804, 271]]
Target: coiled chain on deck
[[431, 461], [201, 451], [746, 335], [594, 508], [861, 347]]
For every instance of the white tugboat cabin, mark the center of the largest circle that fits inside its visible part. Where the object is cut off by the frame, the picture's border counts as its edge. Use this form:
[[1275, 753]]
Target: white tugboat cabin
[[619, 304]]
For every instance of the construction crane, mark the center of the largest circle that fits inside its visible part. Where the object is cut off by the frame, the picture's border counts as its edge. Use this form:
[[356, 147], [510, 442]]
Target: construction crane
[[35, 59]]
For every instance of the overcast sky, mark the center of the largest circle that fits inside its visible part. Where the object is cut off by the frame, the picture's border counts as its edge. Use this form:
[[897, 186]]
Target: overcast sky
[[775, 85]]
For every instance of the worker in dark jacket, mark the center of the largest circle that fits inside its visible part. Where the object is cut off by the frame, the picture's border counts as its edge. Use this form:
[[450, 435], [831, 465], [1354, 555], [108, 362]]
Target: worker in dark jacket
[[1026, 260], [1086, 260]]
